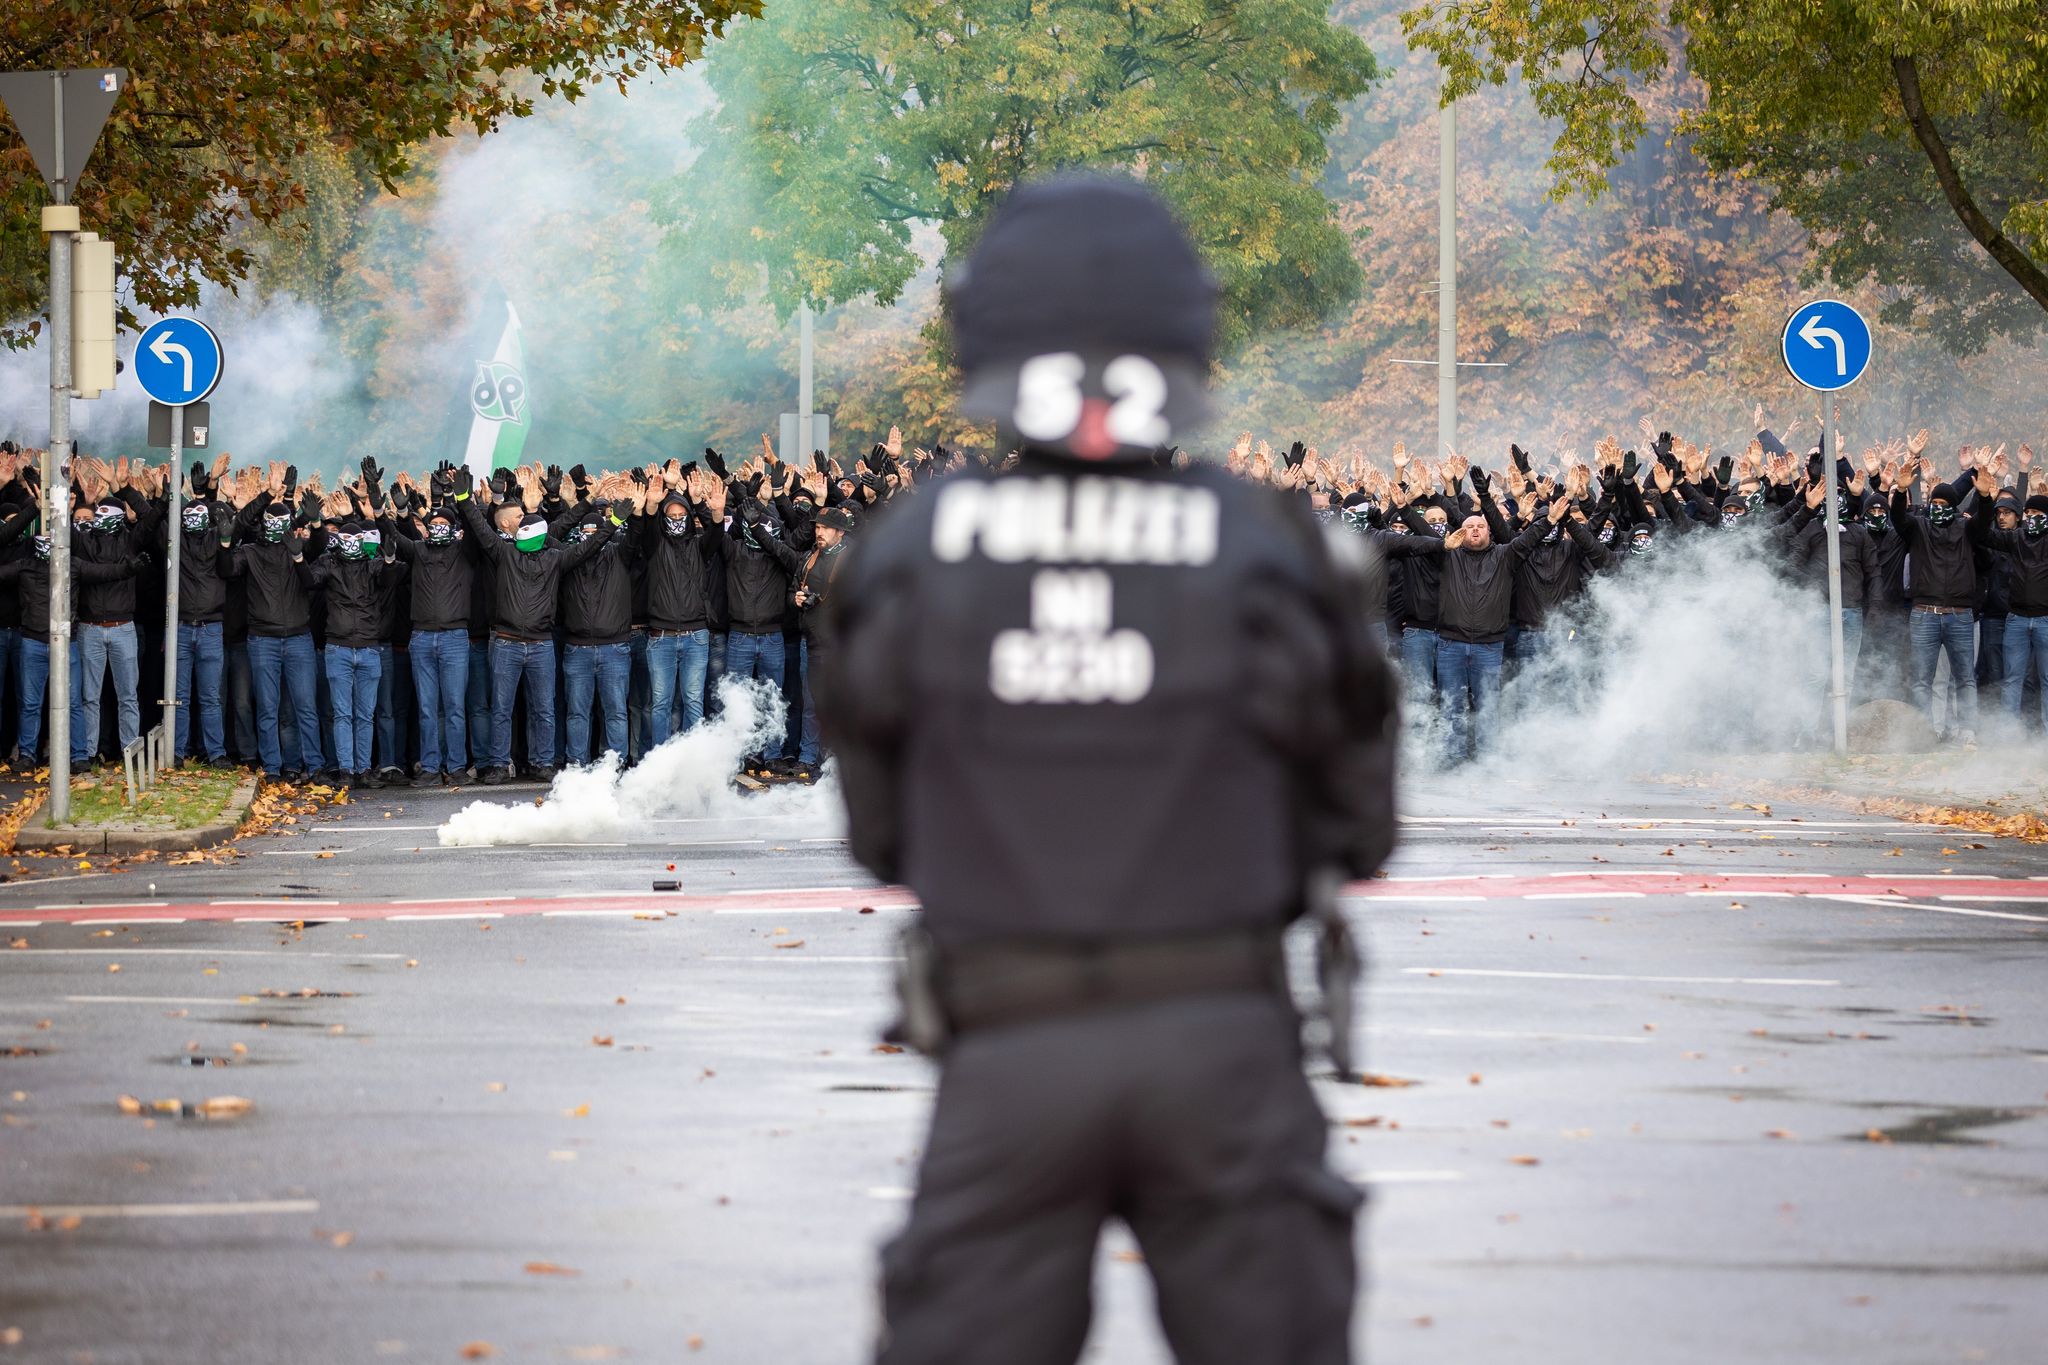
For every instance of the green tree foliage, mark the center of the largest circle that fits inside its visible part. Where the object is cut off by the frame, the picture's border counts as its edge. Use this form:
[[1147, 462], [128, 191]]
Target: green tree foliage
[[845, 123], [1910, 141], [236, 108]]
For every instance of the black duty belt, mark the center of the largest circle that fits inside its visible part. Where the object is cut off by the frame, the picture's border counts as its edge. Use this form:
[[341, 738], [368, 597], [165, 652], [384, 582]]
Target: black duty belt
[[1012, 983]]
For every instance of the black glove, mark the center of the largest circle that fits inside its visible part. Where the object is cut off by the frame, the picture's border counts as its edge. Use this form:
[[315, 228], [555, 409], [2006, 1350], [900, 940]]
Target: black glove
[[714, 462], [460, 482], [442, 484], [754, 484], [579, 476], [819, 463], [291, 481], [1724, 471], [551, 481], [502, 485], [1628, 464], [1296, 453], [309, 505], [1479, 479], [372, 475], [1815, 467], [638, 475], [374, 494], [1519, 456], [141, 560], [201, 485], [750, 511]]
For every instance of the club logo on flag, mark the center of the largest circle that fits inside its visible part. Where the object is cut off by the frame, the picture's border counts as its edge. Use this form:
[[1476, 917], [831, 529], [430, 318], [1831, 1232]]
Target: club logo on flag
[[499, 394]]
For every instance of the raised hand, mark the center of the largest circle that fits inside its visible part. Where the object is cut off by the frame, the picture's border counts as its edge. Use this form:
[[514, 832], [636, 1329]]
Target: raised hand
[[2026, 457], [1917, 442]]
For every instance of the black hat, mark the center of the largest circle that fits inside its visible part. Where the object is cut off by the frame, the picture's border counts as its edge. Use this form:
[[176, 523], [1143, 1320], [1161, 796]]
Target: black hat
[[837, 518], [2038, 503], [1948, 493], [1072, 275]]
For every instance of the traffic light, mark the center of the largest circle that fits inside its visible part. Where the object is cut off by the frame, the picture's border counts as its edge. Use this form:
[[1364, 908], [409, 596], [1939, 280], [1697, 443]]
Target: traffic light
[[92, 315]]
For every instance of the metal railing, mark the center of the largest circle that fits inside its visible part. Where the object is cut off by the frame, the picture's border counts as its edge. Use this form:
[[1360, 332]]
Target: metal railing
[[145, 757]]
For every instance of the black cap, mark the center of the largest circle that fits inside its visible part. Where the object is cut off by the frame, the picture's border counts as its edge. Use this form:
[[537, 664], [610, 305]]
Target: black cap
[[837, 518], [1098, 269]]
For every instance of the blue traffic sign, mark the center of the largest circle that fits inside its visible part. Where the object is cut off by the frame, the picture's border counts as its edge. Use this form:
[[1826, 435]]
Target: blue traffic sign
[[1826, 345], [178, 361]]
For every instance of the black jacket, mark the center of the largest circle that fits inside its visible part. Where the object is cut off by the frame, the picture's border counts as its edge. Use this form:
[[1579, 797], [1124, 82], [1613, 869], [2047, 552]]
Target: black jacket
[[1553, 573], [758, 563], [679, 570], [597, 595], [2027, 560], [524, 582], [1862, 566], [202, 588], [356, 593], [32, 577], [443, 577], [278, 586], [1229, 740], [1479, 586], [1942, 571], [113, 599]]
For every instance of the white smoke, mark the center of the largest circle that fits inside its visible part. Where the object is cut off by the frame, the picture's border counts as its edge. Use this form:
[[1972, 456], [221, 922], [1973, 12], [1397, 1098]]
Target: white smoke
[[688, 777]]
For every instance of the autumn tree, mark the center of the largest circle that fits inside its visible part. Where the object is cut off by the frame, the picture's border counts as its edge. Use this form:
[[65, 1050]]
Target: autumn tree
[[844, 124], [1910, 141], [231, 104]]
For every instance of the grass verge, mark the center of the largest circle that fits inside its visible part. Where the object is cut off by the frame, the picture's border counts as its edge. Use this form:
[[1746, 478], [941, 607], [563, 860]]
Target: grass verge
[[183, 798]]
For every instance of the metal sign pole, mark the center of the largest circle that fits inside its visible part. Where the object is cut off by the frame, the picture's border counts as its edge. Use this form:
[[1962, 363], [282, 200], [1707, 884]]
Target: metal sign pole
[[57, 524], [175, 533], [1838, 692], [1447, 279]]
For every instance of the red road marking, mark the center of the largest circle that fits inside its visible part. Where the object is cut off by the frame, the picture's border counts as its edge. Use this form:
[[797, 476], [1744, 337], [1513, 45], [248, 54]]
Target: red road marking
[[896, 898]]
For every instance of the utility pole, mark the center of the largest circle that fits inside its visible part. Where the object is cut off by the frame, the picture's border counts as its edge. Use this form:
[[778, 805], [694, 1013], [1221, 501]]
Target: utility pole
[[804, 442], [1447, 279]]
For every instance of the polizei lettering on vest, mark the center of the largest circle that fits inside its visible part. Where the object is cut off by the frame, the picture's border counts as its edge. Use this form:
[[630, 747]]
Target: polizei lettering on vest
[[1095, 520]]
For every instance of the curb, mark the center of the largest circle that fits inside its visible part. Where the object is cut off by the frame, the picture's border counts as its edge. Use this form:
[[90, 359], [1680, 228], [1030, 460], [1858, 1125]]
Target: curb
[[103, 839]]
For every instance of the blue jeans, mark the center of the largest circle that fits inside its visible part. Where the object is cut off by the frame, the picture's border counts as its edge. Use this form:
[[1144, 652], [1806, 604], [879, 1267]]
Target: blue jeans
[[534, 661], [1418, 658], [1955, 634], [1469, 677], [1530, 644], [35, 680], [478, 701], [605, 670], [352, 676], [755, 656], [101, 647], [201, 656], [2026, 643], [808, 753], [277, 663], [391, 681], [10, 653], [440, 680], [677, 666]]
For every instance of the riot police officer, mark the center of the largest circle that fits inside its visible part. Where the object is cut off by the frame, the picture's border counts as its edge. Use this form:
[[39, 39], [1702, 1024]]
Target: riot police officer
[[1113, 722]]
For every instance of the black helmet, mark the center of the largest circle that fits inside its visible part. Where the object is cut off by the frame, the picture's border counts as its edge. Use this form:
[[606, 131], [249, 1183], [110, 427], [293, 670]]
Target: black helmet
[[1084, 320]]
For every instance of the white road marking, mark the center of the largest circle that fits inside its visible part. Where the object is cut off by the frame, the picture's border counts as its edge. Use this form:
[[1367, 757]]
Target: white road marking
[[280, 919], [1404, 1177], [1538, 1036], [797, 956], [1434, 900], [458, 914], [442, 900], [24, 923], [279, 904], [1458, 877], [88, 923], [587, 914], [1624, 872], [194, 952], [798, 890], [304, 852], [1886, 903], [2018, 900], [779, 910], [1610, 976], [107, 905], [252, 1206], [1753, 895], [1584, 896], [152, 1000], [573, 843], [890, 1192]]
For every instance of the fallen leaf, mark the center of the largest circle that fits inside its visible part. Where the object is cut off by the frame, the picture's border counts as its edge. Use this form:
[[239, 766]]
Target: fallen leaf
[[889, 1048], [10, 1336], [1473, 1079], [341, 1239], [412, 962], [1372, 1122], [169, 1106], [1373, 1078], [323, 855], [495, 1087], [239, 1049], [549, 1268], [1876, 1135], [1776, 1133], [793, 943], [694, 1343], [225, 1107], [601, 1040], [113, 966], [1524, 1161], [620, 1001], [103, 933], [479, 1350], [581, 1111], [18, 943], [648, 914], [1425, 1321], [70, 1222]]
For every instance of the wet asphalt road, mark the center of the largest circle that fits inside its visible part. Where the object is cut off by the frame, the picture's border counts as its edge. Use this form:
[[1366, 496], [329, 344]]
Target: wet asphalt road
[[1654, 1116]]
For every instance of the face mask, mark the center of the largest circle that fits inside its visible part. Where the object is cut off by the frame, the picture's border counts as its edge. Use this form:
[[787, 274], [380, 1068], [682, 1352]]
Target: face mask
[[349, 545], [531, 537], [1640, 546], [1399, 528], [275, 527], [1877, 520], [197, 519], [579, 534], [1941, 514], [1438, 528], [440, 533], [42, 547], [1754, 500], [109, 519], [2034, 525], [1606, 535], [1553, 535], [1731, 517], [675, 526]]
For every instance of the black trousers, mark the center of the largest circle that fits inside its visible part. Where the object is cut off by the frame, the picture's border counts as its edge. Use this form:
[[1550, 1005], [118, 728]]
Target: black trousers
[[1190, 1120]]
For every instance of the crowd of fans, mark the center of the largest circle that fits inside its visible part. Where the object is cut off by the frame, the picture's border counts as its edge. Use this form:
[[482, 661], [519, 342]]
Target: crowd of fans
[[440, 628]]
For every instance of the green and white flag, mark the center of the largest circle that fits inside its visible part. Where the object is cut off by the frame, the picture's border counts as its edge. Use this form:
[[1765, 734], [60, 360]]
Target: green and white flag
[[497, 398]]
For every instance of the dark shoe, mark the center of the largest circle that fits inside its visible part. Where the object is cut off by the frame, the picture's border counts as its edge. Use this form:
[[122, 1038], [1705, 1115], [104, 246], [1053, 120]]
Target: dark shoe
[[292, 775], [388, 776], [458, 777], [544, 773], [428, 778], [495, 777]]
